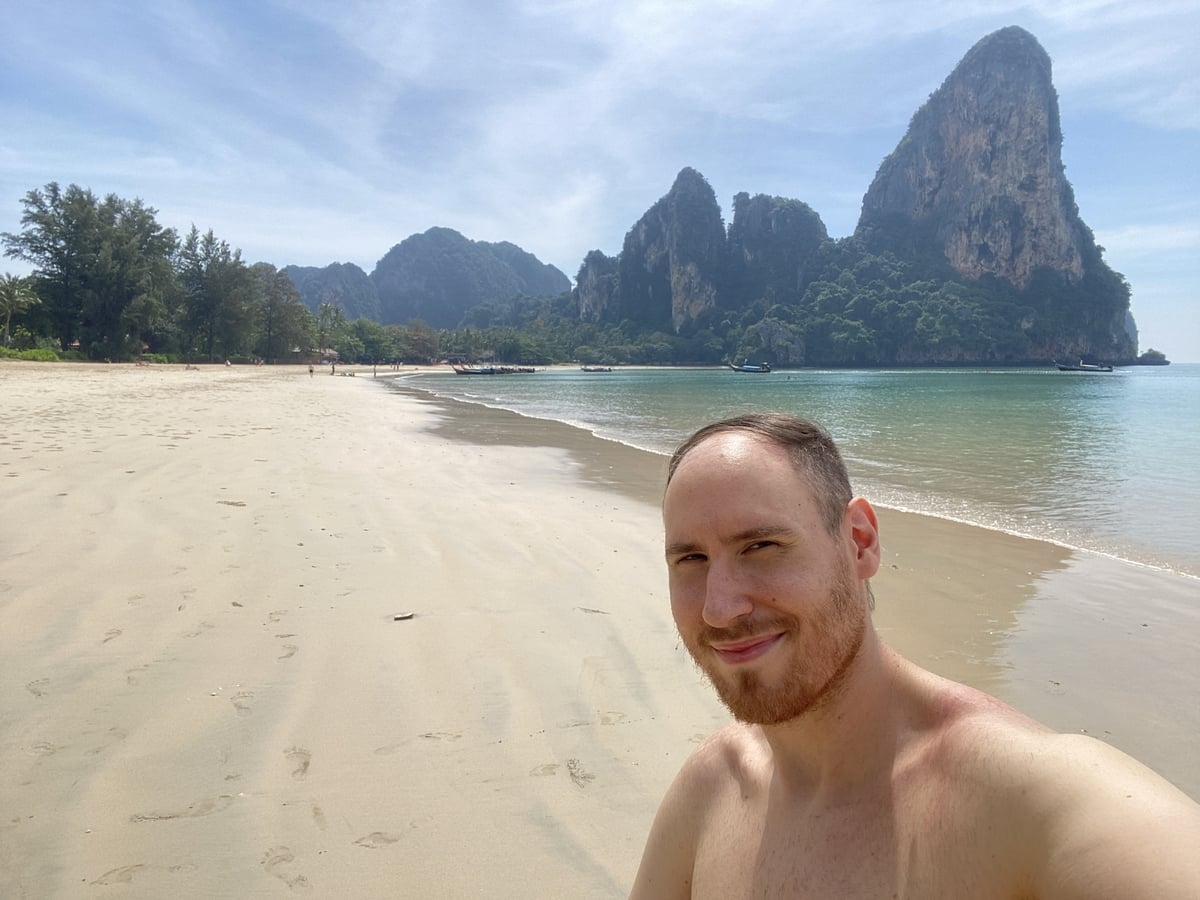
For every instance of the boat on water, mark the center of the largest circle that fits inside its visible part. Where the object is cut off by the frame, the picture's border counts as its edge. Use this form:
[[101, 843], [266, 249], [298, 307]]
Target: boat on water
[[1081, 366], [595, 368], [492, 370], [751, 368]]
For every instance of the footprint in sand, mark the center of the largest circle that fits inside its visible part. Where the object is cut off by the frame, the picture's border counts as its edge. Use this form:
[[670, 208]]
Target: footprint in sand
[[442, 735], [242, 702], [276, 614], [274, 861], [199, 630], [612, 718], [38, 687], [113, 735], [131, 675], [123, 875], [578, 773], [377, 839], [43, 748], [110, 634], [289, 650], [301, 759], [204, 807], [543, 770], [318, 815]]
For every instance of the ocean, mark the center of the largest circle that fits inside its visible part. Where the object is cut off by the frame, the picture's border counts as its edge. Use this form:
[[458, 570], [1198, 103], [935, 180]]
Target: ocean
[[1104, 462]]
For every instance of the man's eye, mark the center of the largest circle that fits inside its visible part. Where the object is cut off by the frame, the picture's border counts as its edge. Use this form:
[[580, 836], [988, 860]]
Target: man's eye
[[690, 557], [760, 545]]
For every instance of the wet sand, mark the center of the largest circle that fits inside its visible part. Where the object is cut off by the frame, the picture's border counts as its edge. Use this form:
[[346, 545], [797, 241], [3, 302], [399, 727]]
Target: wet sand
[[208, 693]]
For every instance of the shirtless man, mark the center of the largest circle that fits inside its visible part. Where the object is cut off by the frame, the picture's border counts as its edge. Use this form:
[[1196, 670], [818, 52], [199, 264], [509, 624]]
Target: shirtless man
[[851, 772]]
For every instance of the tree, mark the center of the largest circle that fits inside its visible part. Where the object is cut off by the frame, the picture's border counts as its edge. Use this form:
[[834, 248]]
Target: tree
[[128, 279], [59, 234], [15, 296], [216, 295], [378, 342], [102, 268], [283, 322], [331, 323]]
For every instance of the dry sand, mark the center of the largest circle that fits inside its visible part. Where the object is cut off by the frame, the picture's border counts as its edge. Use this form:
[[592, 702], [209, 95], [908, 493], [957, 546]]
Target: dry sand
[[206, 692]]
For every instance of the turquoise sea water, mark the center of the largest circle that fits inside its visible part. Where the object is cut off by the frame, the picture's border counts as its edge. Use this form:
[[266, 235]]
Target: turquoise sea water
[[1100, 462]]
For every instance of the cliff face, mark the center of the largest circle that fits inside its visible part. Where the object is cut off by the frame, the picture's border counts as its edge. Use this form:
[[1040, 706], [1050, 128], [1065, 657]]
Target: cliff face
[[538, 279], [772, 242], [344, 285], [438, 275], [670, 264], [980, 169], [597, 287]]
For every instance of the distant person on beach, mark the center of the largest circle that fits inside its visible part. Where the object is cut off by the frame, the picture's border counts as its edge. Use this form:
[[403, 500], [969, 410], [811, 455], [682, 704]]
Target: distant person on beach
[[310, 370], [850, 771]]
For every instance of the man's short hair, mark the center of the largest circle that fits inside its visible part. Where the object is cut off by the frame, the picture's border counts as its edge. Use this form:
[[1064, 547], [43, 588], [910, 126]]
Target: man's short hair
[[809, 446]]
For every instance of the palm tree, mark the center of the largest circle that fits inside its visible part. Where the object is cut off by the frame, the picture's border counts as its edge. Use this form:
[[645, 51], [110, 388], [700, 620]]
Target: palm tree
[[15, 295]]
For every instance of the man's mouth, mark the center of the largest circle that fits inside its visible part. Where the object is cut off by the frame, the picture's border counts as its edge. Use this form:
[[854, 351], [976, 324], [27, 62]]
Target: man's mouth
[[747, 649]]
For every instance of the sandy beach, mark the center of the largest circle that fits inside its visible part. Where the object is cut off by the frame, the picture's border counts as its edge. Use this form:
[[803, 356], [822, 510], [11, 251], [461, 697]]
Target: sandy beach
[[213, 688]]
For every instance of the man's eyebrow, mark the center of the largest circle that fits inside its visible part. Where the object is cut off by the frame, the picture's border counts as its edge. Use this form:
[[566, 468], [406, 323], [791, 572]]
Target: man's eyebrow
[[680, 549]]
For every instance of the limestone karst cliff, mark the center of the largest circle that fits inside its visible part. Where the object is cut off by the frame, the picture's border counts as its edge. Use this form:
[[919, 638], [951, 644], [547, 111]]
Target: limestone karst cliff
[[980, 171], [437, 275], [343, 285], [772, 244], [670, 264]]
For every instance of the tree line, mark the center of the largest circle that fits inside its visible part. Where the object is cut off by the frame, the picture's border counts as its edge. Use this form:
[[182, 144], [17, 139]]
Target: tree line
[[110, 282]]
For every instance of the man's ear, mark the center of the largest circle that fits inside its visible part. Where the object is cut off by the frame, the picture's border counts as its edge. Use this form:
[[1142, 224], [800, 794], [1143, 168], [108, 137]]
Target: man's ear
[[864, 531]]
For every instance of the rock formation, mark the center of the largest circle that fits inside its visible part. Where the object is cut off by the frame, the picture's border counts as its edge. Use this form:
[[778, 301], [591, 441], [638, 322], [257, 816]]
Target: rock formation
[[437, 275], [344, 285], [671, 261], [772, 241], [980, 173]]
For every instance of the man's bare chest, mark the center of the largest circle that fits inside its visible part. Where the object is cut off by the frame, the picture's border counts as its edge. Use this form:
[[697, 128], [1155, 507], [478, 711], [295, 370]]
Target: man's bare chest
[[864, 850]]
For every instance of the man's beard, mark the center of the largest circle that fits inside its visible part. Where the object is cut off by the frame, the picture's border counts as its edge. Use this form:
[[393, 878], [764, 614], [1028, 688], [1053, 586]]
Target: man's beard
[[833, 642]]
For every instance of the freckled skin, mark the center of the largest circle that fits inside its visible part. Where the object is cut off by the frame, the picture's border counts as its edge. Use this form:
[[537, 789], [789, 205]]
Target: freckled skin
[[852, 772]]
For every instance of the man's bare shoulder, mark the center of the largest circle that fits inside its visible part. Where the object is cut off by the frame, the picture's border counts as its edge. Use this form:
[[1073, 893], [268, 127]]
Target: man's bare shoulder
[[726, 766], [730, 758], [1091, 821]]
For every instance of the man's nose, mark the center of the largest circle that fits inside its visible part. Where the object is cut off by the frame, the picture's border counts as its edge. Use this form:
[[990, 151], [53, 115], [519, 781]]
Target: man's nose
[[725, 596]]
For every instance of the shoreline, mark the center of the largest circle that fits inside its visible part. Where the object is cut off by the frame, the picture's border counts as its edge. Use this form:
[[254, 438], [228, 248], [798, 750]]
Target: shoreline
[[201, 573], [400, 382]]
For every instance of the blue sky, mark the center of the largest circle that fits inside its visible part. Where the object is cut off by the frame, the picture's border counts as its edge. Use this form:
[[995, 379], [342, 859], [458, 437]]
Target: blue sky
[[311, 132]]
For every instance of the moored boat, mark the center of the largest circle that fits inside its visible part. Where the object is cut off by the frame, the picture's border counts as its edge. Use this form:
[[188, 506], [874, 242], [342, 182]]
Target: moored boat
[[760, 369], [1081, 367], [492, 370]]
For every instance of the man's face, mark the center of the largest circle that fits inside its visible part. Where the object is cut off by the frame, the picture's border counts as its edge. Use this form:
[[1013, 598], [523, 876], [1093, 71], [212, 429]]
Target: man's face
[[764, 597]]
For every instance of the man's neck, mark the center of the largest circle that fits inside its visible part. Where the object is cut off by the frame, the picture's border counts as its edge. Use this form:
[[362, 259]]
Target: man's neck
[[849, 741]]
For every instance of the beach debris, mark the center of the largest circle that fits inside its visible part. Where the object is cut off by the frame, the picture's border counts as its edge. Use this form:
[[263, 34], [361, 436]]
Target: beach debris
[[401, 616]]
